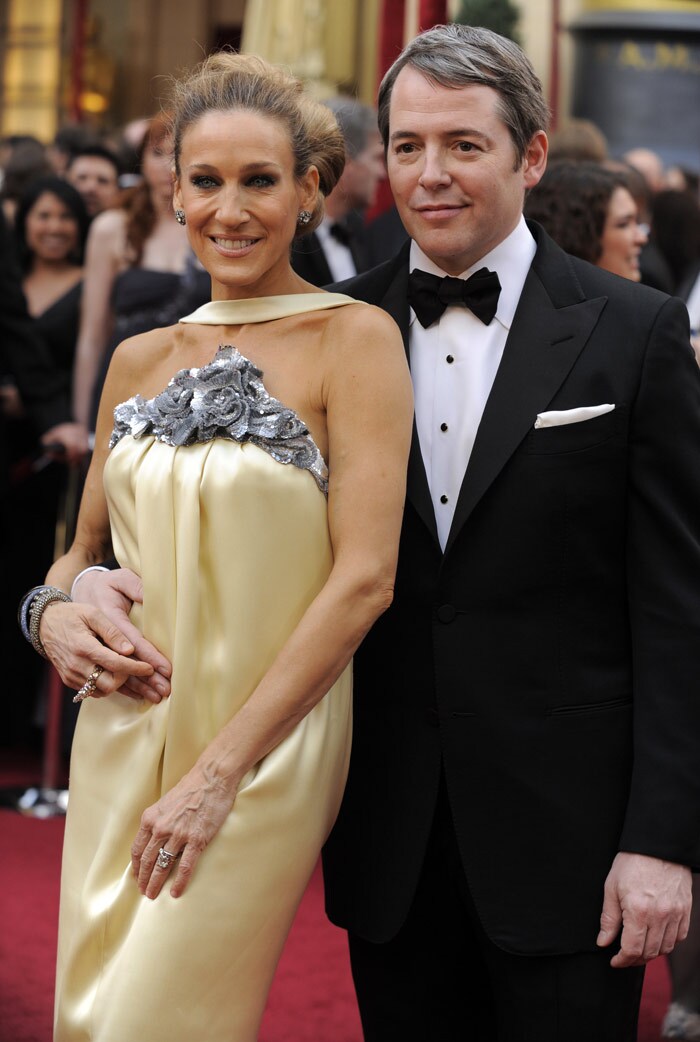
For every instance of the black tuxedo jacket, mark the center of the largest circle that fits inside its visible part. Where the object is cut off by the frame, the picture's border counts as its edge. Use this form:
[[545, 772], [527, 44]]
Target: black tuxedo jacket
[[549, 660], [309, 260]]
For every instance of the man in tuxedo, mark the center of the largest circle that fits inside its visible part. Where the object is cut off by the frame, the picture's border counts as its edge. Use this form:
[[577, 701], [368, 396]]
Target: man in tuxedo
[[522, 806], [337, 249]]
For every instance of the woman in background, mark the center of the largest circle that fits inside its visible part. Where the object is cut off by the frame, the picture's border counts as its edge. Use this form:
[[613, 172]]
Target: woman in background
[[141, 273], [50, 231], [589, 211], [51, 225]]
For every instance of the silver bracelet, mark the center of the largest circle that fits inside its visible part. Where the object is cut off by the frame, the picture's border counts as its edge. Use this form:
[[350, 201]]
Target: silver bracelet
[[31, 609], [92, 568], [23, 610]]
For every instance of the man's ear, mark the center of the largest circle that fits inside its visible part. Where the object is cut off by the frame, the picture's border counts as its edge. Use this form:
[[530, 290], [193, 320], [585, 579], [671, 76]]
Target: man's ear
[[535, 159]]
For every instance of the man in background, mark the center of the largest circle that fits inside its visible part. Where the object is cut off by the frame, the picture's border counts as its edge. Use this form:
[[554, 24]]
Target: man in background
[[336, 250], [94, 172]]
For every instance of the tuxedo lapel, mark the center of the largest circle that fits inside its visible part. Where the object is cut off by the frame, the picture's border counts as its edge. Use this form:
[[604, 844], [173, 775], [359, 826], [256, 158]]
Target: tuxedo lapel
[[545, 340], [395, 303]]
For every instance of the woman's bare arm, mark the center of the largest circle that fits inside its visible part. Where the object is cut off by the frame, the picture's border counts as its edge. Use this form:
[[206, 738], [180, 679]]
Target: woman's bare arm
[[77, 637], [103, 260]]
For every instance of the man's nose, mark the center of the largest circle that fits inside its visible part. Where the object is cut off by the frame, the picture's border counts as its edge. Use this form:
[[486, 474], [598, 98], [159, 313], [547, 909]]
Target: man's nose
[[434, 173]]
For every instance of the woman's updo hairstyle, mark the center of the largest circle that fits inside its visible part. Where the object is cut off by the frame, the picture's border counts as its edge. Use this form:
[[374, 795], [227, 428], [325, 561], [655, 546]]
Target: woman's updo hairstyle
[[226, 81]]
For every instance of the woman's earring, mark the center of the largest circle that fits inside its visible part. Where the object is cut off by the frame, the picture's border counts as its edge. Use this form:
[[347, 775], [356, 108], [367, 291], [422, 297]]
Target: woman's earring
[[180, 217], [304, 216]]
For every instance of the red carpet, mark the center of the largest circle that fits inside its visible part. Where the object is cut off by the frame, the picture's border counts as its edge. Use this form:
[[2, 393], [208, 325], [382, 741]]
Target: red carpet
[[311, 1000]]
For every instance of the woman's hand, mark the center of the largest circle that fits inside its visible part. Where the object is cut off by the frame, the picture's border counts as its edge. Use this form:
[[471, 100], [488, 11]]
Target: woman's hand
[[113, 593], [183, 822], [77, 637], [97, 632]]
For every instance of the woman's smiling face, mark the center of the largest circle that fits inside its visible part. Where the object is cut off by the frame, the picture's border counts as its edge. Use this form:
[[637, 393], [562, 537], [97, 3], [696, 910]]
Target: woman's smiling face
[[241, 198], [51, 230], [623, 237]]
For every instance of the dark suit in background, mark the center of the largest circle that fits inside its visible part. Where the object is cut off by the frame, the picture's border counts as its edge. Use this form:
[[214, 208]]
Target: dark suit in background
[[309, 259]]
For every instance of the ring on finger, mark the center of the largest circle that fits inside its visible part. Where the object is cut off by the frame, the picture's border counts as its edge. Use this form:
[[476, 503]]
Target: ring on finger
[[165, 858], [90, 685]]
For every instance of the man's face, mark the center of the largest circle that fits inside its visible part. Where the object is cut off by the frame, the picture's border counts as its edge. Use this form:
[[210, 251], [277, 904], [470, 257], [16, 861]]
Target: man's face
[[361, 176], [452, 169], [96, 180]]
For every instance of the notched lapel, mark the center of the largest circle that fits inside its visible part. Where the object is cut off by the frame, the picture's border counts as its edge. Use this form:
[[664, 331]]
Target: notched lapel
[[542, 347]]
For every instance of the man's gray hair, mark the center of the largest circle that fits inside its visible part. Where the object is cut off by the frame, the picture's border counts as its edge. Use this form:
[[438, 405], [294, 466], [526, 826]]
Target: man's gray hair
[[356, 121], [461, 55]]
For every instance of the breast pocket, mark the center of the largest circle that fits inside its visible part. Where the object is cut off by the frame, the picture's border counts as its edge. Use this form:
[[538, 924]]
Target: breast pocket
[[576, 437]]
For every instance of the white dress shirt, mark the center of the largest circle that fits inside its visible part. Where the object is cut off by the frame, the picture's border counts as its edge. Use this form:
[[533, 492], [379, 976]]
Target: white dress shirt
[[453, 366], [338, 255], [693, 306]]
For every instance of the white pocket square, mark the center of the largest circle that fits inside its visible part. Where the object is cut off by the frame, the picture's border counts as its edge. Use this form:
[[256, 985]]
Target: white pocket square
[[558, 418]]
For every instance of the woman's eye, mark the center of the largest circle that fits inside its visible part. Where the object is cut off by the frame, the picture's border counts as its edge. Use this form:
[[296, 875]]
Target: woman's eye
[[261, 181], [203, 181]]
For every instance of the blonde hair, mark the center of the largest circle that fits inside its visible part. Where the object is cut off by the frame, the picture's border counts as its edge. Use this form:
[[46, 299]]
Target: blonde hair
[[226, 81]]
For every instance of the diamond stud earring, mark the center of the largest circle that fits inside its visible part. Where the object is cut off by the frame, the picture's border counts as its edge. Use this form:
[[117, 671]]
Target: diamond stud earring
[[180, 217]]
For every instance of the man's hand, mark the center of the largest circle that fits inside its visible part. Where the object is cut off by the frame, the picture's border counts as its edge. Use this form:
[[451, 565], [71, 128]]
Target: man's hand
[[650, 900], [113, 593], [73, 437]]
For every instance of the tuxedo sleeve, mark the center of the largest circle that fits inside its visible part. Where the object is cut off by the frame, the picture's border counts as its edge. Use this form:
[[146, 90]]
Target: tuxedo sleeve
[[663, 570], [23, 354]]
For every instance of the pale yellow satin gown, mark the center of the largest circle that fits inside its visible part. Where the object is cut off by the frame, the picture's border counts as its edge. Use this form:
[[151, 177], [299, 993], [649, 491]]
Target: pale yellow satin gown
[[232, 544]]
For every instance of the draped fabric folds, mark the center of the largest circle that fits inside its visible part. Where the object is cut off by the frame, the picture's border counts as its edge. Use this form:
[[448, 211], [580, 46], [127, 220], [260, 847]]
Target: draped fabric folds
[[232, 547]]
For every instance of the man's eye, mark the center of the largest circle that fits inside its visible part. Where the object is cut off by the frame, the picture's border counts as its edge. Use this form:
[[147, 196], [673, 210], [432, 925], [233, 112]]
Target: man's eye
[[466, 146], [406, 148]]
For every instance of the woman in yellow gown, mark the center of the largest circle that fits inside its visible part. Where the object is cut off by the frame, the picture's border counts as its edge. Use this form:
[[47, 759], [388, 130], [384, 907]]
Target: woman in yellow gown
[[250, 467]]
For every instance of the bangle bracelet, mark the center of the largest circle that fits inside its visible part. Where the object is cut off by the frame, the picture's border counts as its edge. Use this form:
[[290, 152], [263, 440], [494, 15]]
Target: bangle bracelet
[[92, 568], [32, 608], [23, 610]]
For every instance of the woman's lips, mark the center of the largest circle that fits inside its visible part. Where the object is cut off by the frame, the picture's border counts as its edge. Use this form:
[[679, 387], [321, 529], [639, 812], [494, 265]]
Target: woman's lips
[[233, 247]]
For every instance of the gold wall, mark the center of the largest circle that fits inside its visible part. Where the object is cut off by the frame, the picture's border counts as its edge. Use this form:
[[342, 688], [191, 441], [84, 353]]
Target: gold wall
[[133, 47], [31, 66]]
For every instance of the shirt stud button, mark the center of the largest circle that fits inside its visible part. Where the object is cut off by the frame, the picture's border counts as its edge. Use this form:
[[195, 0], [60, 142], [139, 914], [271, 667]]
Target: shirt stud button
[[443, 499], [443, 426], [449, 359]]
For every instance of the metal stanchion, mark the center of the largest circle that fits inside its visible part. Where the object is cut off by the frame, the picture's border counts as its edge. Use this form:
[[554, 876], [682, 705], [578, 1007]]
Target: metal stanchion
[[48, 800]]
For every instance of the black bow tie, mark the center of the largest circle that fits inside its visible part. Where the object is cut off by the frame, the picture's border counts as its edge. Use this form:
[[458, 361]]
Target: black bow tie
[[429, 295], [341, 233]]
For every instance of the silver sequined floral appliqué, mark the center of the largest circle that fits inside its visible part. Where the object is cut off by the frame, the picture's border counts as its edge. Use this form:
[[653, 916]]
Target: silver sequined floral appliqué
[[224, 399]]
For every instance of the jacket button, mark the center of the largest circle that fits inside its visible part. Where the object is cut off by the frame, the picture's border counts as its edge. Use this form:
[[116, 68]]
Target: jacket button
[[446, 613]]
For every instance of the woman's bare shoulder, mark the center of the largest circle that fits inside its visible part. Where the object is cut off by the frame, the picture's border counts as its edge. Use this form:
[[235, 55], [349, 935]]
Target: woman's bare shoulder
[[360, 330], [135, 360], [109, 222]]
